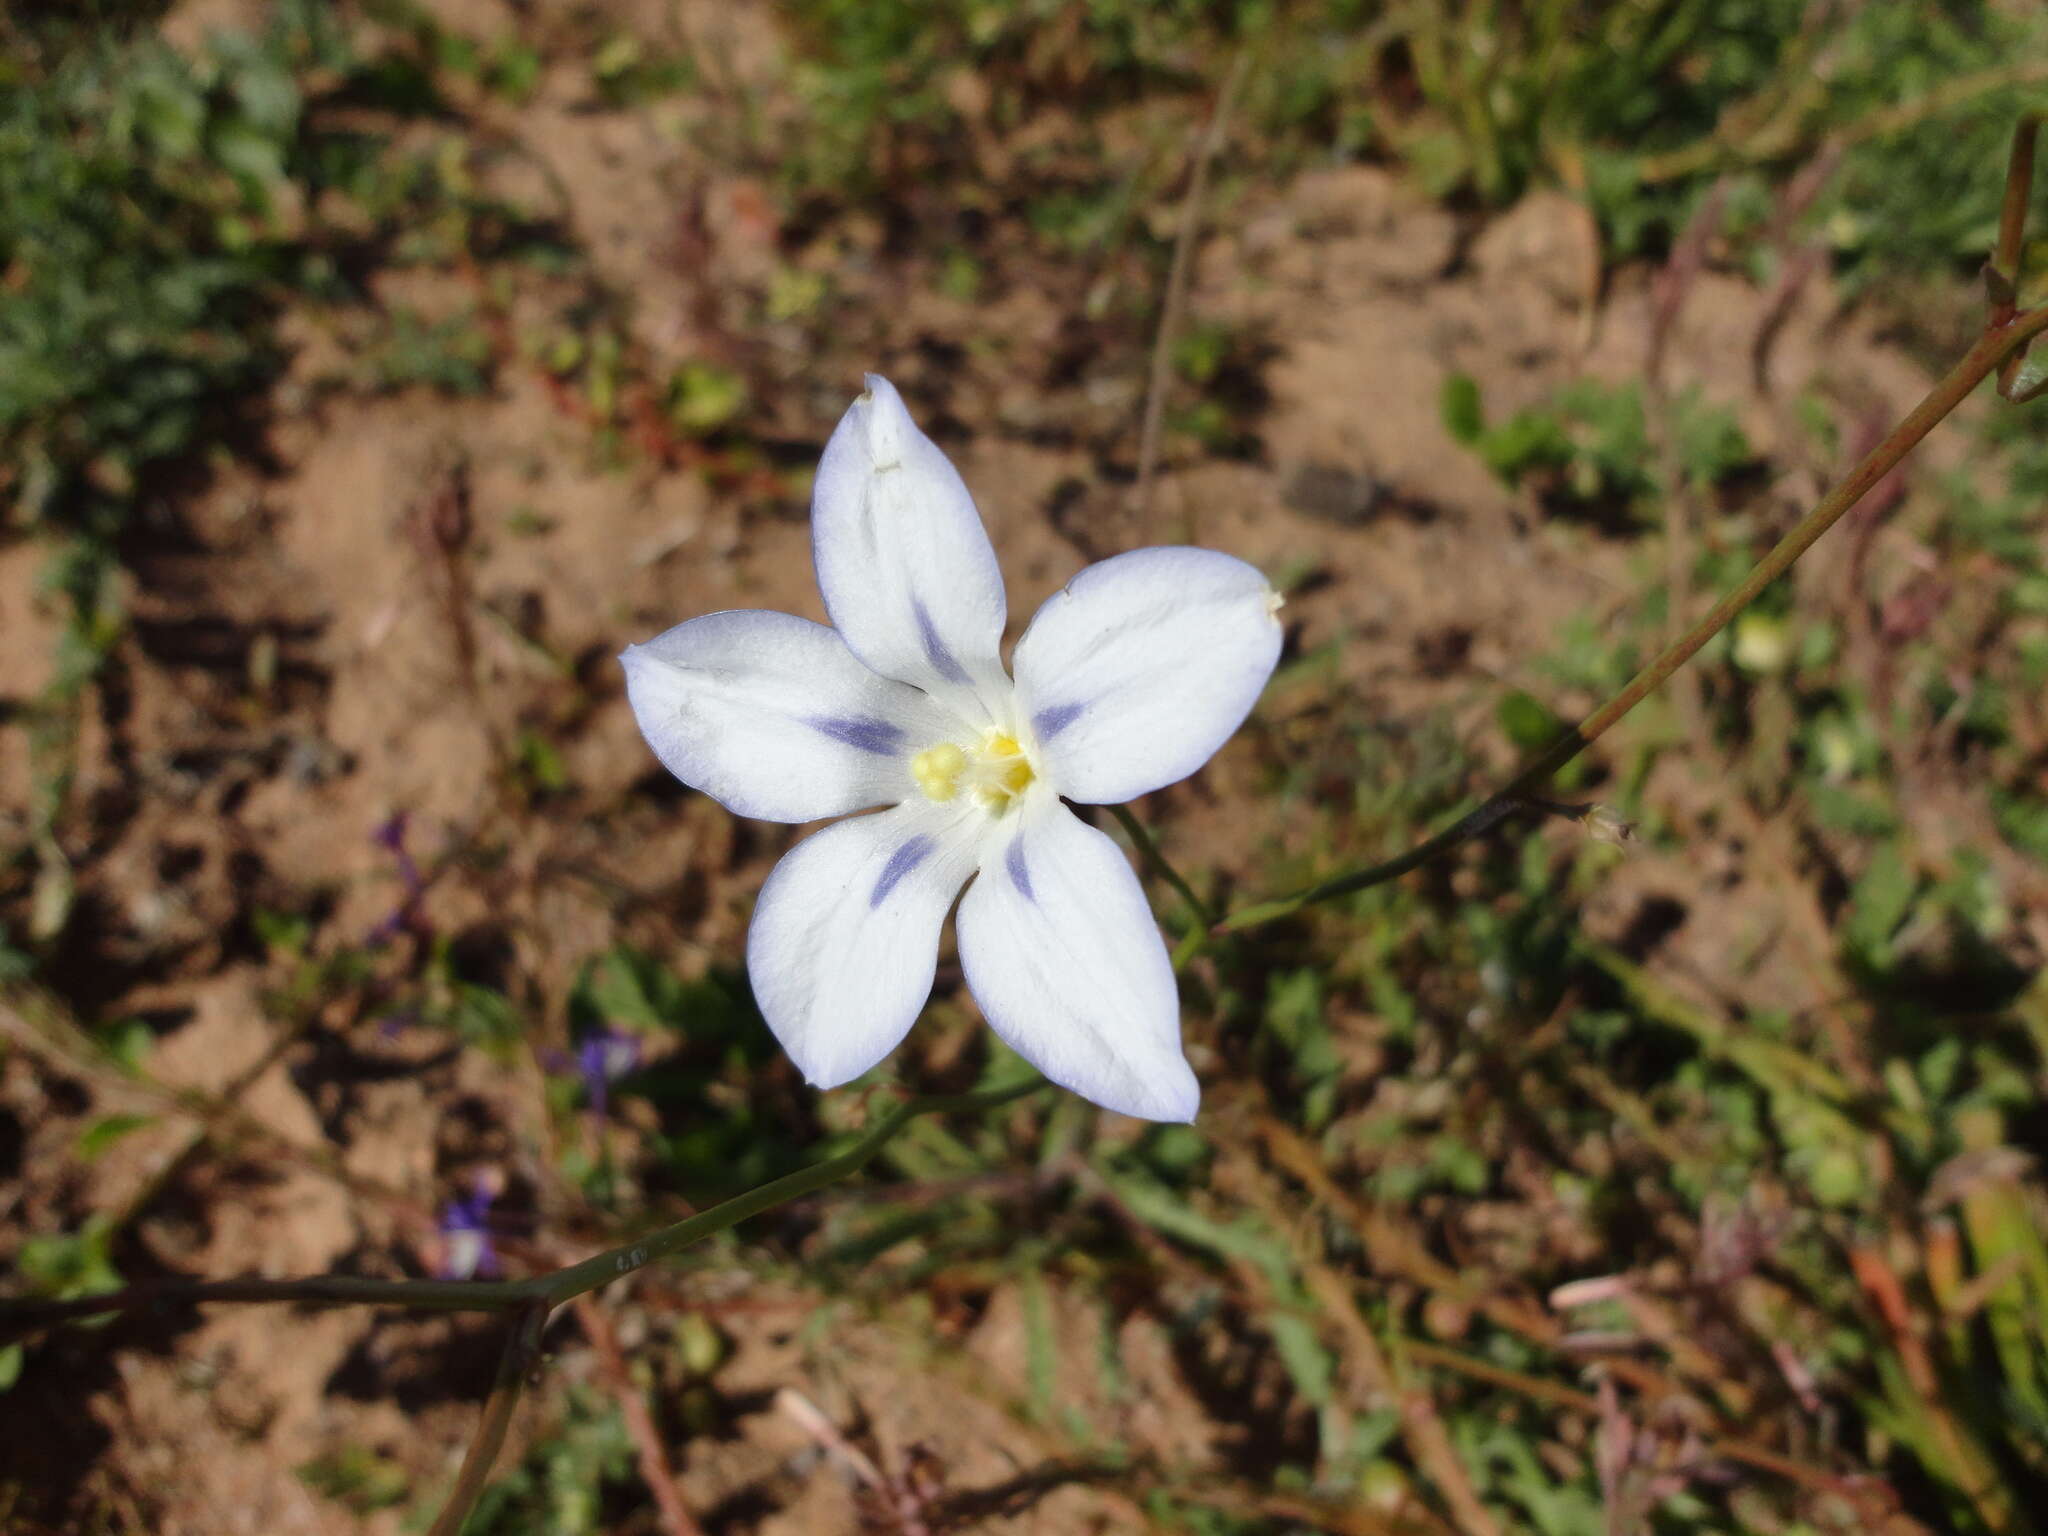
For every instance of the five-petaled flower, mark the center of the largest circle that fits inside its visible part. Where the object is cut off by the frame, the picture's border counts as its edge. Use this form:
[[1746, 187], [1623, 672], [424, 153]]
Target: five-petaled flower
[[1127, 680]]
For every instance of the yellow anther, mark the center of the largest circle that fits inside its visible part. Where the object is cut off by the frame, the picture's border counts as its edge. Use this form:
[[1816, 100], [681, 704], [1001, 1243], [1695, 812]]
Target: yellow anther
[[1001, 771], [938, 769], [995, 772]]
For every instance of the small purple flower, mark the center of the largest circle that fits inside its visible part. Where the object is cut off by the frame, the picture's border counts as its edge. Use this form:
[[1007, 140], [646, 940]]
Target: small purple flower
[[395, 1023], [602, 1058], [466, 1249], [390, 836]]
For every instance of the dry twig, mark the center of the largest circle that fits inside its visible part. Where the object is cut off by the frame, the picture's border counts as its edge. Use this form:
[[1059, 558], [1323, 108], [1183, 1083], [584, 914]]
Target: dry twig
[[1177, 277]]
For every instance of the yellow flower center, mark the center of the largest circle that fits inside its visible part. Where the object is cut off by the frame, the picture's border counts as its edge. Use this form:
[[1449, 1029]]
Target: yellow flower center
[[995, 772]]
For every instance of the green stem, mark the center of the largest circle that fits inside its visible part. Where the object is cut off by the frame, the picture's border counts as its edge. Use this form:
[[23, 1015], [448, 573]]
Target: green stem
[[2012, 208], [1997, 343], [18, 1319], [2016, 381], [608, 1266], [1149, 851]]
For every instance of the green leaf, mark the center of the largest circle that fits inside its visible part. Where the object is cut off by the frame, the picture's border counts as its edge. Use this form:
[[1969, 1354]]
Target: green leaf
[[1526, 441], [1199, 355], [543, 763], [1302, 1353], [1159, 1207], [247, 151], [1879, 904], [2022, 821], [483, 1017], [1527, 721], [285, 933], [170, 111], [358, 1477], [619, 987], [1463, 414], [96, 1139], [1844, 810], [1041, 1352], [15, 964], [514, 71], [704, 397], [127, 1043], [66, 1265], [1710, 442]]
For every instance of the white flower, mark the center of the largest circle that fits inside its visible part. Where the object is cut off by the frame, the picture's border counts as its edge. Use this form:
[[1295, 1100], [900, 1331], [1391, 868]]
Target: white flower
[[1127, 680]]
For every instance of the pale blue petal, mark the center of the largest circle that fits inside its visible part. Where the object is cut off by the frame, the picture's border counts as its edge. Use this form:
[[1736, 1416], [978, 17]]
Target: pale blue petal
[[1141, 667], [845, 937], [904, 564], [772, 716], [1060, 949]]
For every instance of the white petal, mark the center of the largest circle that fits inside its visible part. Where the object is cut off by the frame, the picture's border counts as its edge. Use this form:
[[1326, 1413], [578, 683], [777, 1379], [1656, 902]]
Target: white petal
[[1134, 674], [772, 716], [905, 566], [846, 934], [1062, 953]]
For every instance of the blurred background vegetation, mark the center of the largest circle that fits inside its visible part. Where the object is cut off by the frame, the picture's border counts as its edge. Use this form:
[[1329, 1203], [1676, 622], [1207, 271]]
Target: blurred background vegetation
[[1788, 1180]]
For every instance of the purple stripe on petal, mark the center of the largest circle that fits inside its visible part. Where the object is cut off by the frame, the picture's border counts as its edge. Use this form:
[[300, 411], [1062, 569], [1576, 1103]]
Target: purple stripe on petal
[[876, 736], [1019, 872], [1050, 722], [934, 648], [901, 863]]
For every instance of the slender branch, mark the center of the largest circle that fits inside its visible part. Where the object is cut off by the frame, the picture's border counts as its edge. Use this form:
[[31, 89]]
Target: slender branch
[[19, 1318], [2016, 381], [1779, 136], [1422, 1428], [2012, 210], [520, 1360], [608, 1266], [1177, 275], [39, 1022], [674, 1516], [1149, 851], [1557, 1395], [1997, 343]]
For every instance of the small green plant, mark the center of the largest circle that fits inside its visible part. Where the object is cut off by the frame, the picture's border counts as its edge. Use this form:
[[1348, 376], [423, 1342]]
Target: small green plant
[[454, 355], [1587, 449], [705, 1047], [559, 1489], [71, 1264], [630, 73], [142, 255], [702, 398], [358, 1477]]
